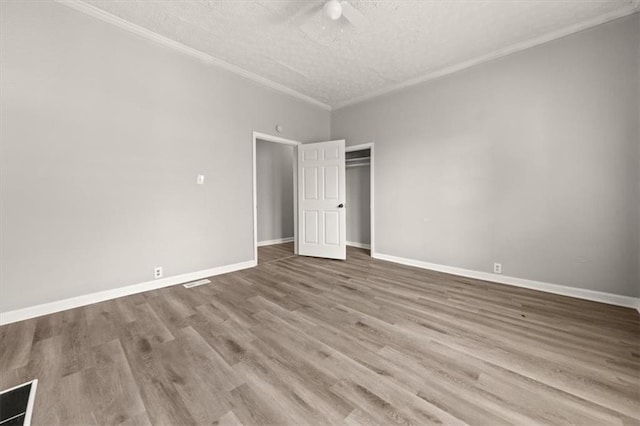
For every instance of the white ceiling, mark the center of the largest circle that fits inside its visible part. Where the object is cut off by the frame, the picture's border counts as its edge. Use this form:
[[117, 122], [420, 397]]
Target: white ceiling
[[406, 41]]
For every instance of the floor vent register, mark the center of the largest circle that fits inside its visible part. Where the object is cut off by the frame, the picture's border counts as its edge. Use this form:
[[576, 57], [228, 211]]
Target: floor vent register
[[16, 404]]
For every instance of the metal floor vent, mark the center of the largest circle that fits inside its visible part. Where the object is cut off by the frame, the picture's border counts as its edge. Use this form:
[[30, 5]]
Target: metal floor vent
[[16, 404], [196, 283]]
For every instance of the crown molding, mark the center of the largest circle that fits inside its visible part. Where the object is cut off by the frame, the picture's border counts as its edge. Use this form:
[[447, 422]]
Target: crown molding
[[172, 44], [98, 13], [634, 7]]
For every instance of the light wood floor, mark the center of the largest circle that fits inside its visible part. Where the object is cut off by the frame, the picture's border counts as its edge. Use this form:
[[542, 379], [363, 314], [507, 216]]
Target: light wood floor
[[275, 252], [312, 341]]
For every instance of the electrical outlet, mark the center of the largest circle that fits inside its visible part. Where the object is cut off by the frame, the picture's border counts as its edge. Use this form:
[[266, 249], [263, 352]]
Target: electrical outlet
[[157, 273], [497, 268]]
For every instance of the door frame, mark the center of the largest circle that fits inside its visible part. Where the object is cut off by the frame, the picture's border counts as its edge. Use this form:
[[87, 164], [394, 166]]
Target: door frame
[[276, 139], [370, 146]]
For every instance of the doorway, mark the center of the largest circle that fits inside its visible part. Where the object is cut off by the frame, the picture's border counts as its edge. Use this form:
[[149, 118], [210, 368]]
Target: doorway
[[274, 197], [363, 216]]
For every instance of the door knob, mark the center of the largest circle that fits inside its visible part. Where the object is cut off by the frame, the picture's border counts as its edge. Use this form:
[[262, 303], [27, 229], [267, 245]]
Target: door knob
[[340, 205]]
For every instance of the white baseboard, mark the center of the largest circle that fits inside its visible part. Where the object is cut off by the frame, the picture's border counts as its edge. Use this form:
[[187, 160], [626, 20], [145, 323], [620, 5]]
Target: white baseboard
[[580, 293], [88, 299], [276, 241], [359, 245]]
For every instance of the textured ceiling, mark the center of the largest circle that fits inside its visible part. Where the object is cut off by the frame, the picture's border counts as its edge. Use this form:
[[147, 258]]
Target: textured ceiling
[[341, 63]]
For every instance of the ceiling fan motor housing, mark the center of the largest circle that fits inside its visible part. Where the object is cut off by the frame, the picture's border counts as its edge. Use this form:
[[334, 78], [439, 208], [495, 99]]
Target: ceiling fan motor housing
[[333, 9]]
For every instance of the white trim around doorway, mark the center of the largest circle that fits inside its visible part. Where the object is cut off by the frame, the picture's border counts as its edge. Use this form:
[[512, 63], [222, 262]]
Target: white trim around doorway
[[276, 139], [372, 209]]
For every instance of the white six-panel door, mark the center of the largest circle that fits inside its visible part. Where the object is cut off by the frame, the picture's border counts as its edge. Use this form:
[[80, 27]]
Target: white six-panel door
[[321, 196]]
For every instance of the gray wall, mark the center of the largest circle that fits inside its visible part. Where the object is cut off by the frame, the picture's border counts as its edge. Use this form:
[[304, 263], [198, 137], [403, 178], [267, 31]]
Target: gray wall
[[103, 134], [530, 160], [358, 204], [274, 165]]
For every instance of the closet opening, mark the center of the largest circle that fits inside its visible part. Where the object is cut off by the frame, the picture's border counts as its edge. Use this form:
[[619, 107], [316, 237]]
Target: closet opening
[[359, 196]]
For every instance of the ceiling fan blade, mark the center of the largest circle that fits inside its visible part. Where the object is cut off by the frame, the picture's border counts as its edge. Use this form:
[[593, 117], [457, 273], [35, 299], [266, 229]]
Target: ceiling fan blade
[[353, 15], [305, 13]]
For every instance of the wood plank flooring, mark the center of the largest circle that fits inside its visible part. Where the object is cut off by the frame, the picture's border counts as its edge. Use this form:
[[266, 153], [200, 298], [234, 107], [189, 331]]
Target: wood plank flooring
[[311, 341], [275, 252]]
